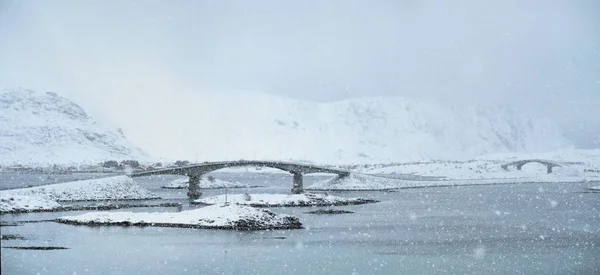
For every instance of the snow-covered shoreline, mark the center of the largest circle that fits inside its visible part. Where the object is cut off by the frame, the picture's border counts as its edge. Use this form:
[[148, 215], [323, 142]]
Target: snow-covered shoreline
[[574, 166], [475, 170], [356, 182], [584, 164], [283, 200], [48, 197], [364, 182], [219, 216]]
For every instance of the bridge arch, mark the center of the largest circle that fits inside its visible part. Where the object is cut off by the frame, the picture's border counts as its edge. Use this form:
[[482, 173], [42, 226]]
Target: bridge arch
[[519, 164], [195, 172]]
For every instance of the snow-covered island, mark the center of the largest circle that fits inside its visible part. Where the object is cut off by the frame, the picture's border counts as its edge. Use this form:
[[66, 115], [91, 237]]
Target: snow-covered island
[[219, 216], [205, 183], [283, 200], [49, 197]]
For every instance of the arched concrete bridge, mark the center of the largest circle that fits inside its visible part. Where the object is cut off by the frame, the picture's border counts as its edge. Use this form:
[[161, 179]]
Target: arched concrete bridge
[[519, 164], [195, 172]]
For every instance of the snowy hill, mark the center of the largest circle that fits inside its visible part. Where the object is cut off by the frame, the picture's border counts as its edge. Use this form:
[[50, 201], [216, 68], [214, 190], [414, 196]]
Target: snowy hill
[[249, 125], [44, 128]]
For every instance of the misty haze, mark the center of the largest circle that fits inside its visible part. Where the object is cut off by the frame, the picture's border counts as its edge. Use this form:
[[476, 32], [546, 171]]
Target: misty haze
[[300, 137]]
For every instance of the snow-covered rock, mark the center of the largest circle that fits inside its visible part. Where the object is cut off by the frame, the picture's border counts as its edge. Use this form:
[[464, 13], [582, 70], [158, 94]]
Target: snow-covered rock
[[44, 128], [231, 216], [205, 183], [279, 200], [47, 197]]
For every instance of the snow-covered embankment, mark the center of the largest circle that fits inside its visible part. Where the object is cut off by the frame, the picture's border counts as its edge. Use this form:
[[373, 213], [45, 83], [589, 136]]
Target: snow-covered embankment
[[48, 197], [484, 170]]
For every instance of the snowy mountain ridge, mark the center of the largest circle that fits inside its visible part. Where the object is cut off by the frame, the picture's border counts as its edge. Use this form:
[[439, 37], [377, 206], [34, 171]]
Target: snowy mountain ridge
[[44, 128], [251, 125]]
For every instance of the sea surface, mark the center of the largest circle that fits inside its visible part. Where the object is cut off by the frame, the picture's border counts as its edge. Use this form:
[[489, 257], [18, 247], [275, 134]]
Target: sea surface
[[549, 228]]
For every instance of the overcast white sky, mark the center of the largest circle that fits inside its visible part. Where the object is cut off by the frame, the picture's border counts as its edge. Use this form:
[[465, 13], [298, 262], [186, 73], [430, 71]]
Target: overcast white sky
[[541, 57]]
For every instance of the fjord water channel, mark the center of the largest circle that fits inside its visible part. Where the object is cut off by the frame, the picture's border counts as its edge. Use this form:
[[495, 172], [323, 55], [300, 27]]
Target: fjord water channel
[[546, 228]]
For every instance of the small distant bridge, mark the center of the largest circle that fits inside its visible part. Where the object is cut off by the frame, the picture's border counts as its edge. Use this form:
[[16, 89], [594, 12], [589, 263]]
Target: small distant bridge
[[519, 164], [195, 172]]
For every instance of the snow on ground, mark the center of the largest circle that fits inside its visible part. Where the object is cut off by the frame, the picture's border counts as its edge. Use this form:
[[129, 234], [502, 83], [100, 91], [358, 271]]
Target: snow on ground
[[596, 188], [590, 157], [43, 129], [362, 182], [219, 216], [363, 130], [480, 169], [26, 203], [205, 183], [277, 200], [577, 166], [356, 182], [577, 163], [113, 188]]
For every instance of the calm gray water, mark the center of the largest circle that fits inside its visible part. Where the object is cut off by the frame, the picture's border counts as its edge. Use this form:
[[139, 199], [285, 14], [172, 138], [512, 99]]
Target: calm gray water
[[499, 229]]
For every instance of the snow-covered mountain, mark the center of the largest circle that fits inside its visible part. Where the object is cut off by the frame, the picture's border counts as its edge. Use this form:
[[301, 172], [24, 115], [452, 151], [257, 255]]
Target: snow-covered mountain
[[44, 128], [249, 125]]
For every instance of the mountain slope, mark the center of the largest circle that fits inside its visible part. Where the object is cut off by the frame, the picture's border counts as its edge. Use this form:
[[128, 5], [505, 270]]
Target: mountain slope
[[252, 125], [45, 128]]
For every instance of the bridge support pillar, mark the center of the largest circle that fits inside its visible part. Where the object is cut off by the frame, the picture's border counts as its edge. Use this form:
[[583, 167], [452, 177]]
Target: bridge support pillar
[[194, 187], [548, 169], [298, 187]]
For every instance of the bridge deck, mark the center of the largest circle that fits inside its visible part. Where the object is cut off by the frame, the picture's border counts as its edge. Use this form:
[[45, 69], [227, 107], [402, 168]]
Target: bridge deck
[[203, 168], [519, 163], [525, 161]]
